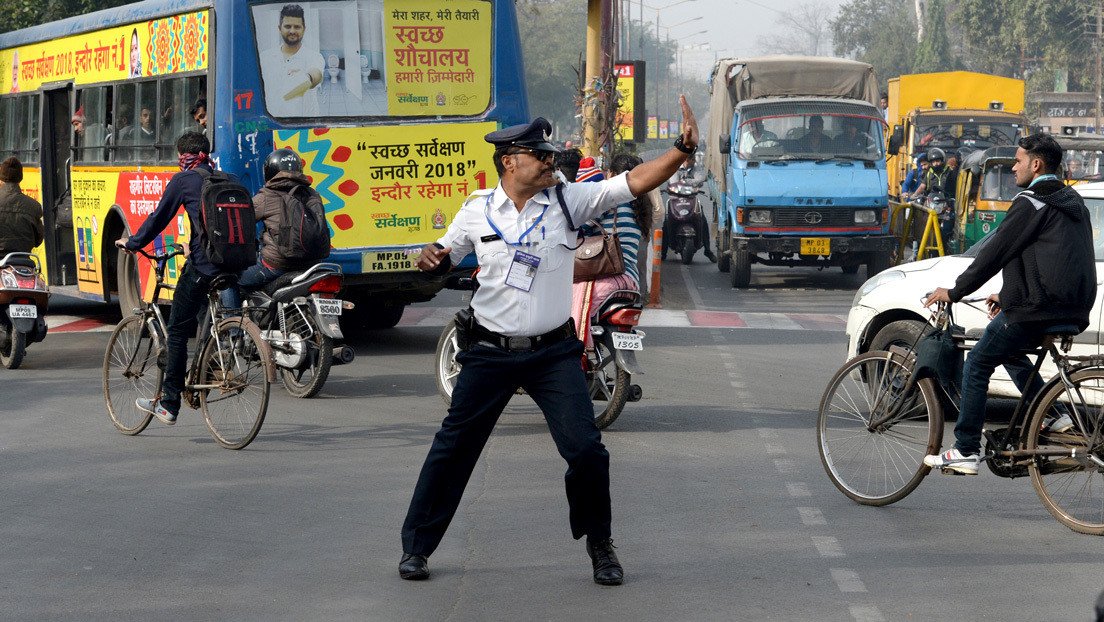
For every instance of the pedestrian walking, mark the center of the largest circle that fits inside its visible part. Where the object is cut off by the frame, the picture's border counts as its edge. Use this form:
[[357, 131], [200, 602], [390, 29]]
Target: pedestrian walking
[[520, 334]]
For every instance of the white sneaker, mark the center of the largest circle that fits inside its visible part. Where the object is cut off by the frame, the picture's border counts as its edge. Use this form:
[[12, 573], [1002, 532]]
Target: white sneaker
[[1058, 425], [156, 409], [952, 461]]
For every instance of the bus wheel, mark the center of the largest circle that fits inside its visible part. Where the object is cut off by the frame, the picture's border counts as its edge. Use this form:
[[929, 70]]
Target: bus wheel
[[126, 276]]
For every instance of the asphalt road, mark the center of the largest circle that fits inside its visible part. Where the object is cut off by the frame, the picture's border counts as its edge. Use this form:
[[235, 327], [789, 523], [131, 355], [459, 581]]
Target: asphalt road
[[721, 508]]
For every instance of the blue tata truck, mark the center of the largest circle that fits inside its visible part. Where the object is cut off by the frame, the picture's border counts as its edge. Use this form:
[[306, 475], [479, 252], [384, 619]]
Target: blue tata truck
[[796, 167]]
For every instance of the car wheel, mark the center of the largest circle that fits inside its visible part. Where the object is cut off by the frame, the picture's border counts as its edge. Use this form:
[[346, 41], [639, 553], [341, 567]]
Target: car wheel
[[903, 333]]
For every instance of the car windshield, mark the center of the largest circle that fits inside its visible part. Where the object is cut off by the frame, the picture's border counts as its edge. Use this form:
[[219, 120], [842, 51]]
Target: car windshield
[[772, 135], [1096, 216], [965, 133]]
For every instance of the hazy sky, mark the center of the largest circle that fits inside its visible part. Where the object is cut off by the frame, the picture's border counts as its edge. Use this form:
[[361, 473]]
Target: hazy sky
[[733, 27]]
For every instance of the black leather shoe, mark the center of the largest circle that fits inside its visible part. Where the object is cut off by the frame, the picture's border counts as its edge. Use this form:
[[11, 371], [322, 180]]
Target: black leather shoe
[[607, 570], [414, 567]]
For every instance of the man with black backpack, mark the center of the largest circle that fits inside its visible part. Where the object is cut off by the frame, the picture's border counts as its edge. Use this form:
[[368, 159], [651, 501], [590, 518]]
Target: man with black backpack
[[296, 234], [220, 213]]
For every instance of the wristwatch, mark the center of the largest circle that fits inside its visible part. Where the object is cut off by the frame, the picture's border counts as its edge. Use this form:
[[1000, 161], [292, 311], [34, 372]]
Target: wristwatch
[[683, 147]]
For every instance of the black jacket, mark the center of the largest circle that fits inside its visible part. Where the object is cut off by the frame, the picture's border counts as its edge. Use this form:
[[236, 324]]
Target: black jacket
[[184, 189], [1045, 247], [20, 221]]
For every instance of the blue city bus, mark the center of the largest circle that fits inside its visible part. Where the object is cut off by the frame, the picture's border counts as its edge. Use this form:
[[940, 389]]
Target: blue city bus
[[386, 101]]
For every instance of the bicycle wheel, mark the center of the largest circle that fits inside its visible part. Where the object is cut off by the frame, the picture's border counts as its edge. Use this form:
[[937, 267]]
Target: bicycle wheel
[[130, 372], [235, 374], [874, 428], [1071, 486]]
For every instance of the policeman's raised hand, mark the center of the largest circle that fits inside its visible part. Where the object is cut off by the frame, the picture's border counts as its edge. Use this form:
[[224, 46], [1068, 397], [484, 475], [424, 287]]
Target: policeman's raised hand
[[431, 257], [941, 294], [689, 124]]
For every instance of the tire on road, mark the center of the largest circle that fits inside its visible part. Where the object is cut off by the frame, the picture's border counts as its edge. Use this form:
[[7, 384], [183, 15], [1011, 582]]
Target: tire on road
[[904, 333], [740, 271]]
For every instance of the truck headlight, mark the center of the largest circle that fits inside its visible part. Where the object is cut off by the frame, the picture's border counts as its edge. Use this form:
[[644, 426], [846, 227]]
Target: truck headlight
[[866, 217], [759, 217]]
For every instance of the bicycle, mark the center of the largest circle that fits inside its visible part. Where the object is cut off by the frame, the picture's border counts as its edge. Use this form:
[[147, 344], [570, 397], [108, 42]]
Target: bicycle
[[876, 422], [228, 378]]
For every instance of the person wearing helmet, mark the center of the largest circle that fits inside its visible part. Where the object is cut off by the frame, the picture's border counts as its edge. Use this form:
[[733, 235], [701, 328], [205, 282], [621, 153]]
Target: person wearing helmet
[[284, 180], [935, 179]]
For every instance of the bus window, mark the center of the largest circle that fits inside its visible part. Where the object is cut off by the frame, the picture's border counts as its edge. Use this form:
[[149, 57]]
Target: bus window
[[137, 105], [178, 97], [32, 114], [92, 125]]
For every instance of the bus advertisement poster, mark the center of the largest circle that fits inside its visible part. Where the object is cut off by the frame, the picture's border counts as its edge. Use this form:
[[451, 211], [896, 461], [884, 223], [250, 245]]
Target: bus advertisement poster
[[169, 45], [393, 186]]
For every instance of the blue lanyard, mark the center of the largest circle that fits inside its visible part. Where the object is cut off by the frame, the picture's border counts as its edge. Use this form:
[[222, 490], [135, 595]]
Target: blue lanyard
[[525, 235], [1047, 177]]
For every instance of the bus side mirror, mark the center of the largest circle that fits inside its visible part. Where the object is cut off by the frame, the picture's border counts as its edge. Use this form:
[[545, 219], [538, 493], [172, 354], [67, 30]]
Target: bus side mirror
[[896, 139], [726, 144]]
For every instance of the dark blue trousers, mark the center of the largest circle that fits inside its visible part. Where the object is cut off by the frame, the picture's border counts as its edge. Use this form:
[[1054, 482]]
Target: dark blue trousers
[[188, 304], [553, 377]]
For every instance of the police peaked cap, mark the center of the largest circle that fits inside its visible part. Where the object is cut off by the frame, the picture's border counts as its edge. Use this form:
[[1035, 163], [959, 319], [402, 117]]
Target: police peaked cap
[[535, 135]]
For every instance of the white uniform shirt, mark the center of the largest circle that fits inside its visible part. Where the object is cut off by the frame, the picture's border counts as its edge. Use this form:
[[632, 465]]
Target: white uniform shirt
[[283, 73], [547, 305]]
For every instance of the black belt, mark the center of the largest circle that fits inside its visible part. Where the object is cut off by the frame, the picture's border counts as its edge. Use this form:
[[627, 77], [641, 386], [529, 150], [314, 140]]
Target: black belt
[[524, 344]]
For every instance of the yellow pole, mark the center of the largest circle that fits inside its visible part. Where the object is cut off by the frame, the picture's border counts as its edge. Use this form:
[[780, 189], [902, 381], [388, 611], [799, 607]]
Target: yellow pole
[[593, 67]]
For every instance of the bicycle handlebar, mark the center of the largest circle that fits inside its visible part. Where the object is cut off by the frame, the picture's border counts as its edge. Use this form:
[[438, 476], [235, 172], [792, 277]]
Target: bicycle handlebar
[[178, 249]]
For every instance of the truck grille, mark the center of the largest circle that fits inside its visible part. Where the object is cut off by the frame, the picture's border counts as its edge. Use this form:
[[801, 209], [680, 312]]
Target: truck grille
[[813, 218]]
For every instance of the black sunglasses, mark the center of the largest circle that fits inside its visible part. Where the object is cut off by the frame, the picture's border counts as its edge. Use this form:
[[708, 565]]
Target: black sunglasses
[[543, 156]]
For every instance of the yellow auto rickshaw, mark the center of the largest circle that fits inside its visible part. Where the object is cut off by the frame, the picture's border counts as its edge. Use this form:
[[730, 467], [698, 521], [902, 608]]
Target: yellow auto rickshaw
[[984, 192]]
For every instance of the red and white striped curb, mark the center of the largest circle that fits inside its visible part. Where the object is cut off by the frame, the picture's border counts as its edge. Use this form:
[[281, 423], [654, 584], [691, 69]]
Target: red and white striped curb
[[652, 318]]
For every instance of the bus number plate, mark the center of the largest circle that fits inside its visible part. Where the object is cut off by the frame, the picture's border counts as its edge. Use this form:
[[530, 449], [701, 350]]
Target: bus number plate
[[389, 261], [816, 246]]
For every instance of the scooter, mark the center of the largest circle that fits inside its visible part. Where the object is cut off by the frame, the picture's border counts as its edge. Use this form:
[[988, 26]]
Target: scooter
[[685, 223], [609, 366], [23, 300], [299, 314]]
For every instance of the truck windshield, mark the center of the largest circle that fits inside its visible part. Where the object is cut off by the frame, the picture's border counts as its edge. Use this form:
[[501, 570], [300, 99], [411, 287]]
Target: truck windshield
[[810, 136], [969, 134]]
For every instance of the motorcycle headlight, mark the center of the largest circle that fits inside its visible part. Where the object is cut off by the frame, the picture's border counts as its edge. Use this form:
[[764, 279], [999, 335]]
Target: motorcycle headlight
[[759, 217], [875, 282], [866, 217]]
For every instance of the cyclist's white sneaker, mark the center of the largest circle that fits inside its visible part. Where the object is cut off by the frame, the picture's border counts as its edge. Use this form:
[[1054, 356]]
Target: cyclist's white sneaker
[[1058, 425], [155, 409], [953, 461]]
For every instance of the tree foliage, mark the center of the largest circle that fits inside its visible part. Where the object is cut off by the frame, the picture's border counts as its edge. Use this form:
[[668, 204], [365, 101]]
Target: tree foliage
[[806, 29], [25, 13], [879, 32], [934, 50]]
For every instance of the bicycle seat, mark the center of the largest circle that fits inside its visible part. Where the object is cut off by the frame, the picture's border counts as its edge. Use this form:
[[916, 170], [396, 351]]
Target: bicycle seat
[[224, 281], [1063, 330]]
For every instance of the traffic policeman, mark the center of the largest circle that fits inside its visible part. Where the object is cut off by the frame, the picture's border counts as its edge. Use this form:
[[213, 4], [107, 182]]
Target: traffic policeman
[[521, 334]]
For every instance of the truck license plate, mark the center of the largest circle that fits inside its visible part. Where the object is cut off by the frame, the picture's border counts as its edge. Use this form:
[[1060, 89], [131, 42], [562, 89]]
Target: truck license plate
[[816, 246], [388, 261], [628, 341], [328, 306], [23, 311]]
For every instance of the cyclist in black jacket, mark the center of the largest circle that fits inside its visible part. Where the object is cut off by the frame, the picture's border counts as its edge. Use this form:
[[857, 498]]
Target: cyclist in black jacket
[[1045, 249]]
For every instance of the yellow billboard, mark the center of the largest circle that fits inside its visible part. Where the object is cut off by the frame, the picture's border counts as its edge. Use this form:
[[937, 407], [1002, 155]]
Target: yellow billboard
[[393, 186], [653, 127], [626, 89], [162, 46]]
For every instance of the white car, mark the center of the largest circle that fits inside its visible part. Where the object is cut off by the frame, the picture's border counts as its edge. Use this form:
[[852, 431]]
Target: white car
[[888, 308]]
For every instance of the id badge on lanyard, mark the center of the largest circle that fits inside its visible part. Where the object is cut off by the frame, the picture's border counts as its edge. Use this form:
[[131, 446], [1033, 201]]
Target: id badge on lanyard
[[523, 266]]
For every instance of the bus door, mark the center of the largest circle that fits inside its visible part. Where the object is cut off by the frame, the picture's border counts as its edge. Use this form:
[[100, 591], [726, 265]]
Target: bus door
[[57, 203]]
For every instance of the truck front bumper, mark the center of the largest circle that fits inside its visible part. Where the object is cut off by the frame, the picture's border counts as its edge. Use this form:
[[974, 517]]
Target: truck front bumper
[[840, 245]]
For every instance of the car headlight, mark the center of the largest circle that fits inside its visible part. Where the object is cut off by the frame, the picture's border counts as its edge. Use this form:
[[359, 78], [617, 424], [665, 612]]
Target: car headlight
[[877, 281], [759, 217], [866, 217]]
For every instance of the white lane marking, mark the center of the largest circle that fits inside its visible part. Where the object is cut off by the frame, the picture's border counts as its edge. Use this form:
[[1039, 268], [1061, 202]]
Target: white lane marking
[[694, 295], [774, 449], [767, 433], [827, 546], [798, 489], [812, 516], [664, 318], [866, 613], [847, 580], [785, 466]]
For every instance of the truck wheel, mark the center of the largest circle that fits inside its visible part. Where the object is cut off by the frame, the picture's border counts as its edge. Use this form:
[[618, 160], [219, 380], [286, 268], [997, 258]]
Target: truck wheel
[[853, 269], [380, 316], [740, 272], [724, 260], [877, 262]]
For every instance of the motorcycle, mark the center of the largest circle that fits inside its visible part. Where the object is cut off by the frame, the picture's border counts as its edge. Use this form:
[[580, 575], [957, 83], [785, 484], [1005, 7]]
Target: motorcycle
[[23, 301], [609, 366], [684, 224], [299, 318]]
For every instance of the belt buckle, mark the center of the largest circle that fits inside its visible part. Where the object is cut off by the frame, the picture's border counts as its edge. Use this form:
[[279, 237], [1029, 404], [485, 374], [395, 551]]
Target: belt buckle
[[519, 343]]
